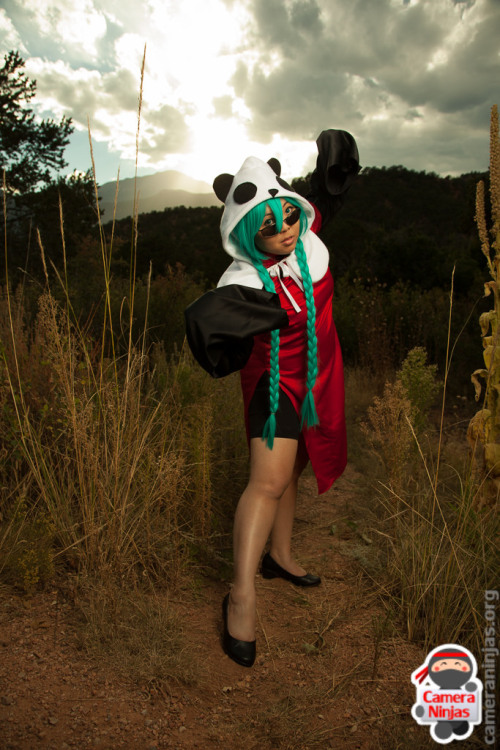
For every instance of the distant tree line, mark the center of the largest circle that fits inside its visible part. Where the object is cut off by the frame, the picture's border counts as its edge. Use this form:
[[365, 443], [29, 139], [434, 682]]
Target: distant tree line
[[396, 225]]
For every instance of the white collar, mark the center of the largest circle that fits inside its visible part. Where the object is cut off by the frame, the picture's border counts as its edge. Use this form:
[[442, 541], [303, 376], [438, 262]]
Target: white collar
[[244, 273], [282, 269]]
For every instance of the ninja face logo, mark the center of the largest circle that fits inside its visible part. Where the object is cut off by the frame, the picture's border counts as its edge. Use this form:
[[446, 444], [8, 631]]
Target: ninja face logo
[[448, 693]]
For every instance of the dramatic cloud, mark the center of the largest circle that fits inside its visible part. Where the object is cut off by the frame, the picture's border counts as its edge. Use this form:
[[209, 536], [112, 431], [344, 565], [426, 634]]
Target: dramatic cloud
[[413, 80], [416, 74]]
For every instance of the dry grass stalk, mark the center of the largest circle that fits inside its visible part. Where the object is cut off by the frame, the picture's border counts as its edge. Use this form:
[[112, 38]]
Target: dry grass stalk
[[484, 429], [387, 430]]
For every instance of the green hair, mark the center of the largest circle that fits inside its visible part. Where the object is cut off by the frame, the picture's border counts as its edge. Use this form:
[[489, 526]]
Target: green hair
[[244, 235]]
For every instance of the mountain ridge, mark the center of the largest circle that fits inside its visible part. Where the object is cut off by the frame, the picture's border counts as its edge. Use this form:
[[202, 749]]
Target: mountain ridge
[[155, 192]]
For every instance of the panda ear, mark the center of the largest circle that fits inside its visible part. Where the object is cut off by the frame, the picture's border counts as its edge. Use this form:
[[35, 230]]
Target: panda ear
[[222, 185], [275, 166]]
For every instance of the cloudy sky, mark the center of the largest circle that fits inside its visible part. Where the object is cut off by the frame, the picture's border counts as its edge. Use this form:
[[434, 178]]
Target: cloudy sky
[[412, 80]]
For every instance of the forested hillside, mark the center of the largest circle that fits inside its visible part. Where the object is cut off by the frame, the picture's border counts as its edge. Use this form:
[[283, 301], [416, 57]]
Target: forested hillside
[[402, 225], [396, 224], [394, 247]]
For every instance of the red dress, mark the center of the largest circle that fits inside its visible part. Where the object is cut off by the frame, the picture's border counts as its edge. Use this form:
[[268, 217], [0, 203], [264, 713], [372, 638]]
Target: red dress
[[221, 344], [326, 443]]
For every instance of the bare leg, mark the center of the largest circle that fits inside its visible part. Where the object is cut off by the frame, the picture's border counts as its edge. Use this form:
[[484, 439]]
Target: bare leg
[[281, 534], [270, 474]]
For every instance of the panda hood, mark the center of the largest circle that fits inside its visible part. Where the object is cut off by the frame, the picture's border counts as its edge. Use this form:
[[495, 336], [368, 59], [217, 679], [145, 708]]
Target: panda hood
[[255, 182]]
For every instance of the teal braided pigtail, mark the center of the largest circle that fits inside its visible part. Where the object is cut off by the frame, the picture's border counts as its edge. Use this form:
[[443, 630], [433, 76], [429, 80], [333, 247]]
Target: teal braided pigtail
[[308, 411], [244, 235], [269, 430], [274, 379]]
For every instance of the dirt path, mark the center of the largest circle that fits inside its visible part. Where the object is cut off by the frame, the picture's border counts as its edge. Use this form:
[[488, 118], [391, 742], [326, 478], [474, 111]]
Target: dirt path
[[322, 678]]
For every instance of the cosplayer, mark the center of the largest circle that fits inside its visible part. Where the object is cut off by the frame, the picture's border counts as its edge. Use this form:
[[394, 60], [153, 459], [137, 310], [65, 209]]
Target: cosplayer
[[271, 318]]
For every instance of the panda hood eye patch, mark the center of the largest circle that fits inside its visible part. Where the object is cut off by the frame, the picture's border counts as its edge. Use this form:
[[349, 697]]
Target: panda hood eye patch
[[245, 192]]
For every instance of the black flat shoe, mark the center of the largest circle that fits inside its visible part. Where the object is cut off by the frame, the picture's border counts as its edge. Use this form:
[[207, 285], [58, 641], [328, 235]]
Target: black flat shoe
[[242, 652], [271, 569]]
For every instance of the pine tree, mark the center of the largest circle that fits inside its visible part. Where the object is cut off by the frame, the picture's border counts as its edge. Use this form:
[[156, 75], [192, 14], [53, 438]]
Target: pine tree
[[30, 150]]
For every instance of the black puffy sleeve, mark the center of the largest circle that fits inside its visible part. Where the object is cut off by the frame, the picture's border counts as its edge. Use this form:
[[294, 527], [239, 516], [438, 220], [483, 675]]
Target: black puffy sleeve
[[221, 324], [337, 166]]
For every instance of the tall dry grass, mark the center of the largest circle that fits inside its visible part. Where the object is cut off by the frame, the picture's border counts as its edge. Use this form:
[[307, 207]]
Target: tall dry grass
[[116, 454], [110, 454], [119, 464], [119, 476], [440, 552]]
